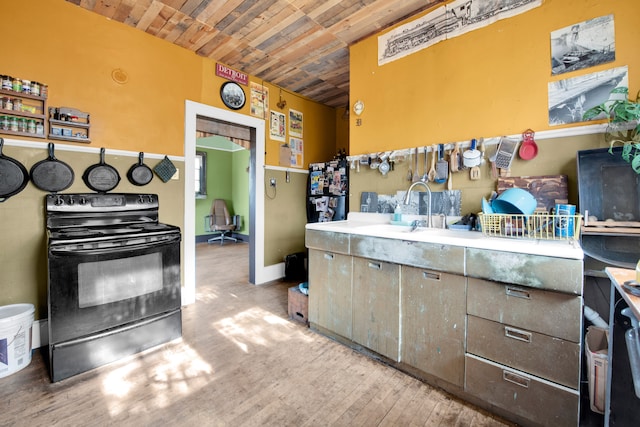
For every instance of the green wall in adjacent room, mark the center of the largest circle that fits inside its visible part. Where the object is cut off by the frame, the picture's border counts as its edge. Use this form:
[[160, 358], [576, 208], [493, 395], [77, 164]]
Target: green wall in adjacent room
[[228, 179]]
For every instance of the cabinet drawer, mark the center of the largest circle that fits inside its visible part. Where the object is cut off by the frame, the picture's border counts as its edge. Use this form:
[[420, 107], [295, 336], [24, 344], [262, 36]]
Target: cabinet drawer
[[327, 240], [550, 313], [534, 400], [538, 354], [434, 256], [536, 271]]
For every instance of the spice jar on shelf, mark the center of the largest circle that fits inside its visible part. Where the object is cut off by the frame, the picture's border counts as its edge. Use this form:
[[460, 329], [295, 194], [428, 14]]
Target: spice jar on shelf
[[4, 123], [16, 85], [17, 104], [13, 124]]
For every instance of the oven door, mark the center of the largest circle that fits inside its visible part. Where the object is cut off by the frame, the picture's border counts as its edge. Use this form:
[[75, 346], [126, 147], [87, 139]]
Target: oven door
[[99, 285]]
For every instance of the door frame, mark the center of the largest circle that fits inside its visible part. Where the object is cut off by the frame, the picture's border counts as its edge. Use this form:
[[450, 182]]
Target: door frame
[[257, 271]]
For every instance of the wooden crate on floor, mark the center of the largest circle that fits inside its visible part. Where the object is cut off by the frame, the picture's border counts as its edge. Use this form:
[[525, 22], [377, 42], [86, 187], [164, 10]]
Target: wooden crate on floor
[[298, 305]]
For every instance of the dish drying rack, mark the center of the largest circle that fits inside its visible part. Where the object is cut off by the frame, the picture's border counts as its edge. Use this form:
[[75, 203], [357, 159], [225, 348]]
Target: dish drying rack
[[539, 225]]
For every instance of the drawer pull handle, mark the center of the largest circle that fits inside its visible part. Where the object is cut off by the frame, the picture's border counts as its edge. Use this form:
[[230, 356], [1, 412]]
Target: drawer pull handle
[[518, 293], [375, 265], [328, 256], [430, 276], [517, 334], [515, 379]]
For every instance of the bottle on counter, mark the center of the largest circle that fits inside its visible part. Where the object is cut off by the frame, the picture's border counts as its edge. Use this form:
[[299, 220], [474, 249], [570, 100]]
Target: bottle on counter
[[397, 213]]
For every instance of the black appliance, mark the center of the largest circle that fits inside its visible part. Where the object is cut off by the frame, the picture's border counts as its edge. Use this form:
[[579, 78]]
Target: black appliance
[[113, 279], [609, 189], [328, 191]]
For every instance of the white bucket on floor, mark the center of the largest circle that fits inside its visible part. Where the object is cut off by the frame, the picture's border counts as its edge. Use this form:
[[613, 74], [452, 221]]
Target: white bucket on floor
[[15, 337]]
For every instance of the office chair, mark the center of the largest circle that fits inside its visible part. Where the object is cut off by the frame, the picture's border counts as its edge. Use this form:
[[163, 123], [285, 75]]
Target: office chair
[[219, 221]]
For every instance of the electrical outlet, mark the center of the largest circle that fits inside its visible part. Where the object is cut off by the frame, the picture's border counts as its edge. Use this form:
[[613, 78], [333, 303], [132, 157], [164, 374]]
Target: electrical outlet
[[272, 182]]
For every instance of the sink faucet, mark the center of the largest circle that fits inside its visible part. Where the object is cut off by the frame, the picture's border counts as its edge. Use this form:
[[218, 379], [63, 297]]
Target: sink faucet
[[407, 198]]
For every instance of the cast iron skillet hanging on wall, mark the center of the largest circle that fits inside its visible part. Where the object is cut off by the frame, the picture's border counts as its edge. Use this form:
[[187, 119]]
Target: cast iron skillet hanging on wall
[[101, 177], [51, 174], [13, 176], [140, 174]]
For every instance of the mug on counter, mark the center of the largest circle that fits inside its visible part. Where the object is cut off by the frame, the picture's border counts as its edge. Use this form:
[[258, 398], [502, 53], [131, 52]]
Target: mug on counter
[[565, 215]]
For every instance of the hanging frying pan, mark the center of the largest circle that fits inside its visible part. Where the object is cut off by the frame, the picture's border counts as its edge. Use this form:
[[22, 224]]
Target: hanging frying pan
[[51, 174], [139, 173], [101, 177], [13, 176]]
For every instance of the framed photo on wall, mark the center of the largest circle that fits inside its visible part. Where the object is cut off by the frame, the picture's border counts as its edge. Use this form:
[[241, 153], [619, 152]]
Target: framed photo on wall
[[277, 126], [295, 123]]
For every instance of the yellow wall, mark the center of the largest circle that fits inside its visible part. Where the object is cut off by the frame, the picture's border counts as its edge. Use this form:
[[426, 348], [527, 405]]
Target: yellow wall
[[75, 52], [488, 82]]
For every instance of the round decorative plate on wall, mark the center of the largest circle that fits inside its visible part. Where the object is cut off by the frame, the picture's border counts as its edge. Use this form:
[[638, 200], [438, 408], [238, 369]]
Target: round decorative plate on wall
[[232, 95]]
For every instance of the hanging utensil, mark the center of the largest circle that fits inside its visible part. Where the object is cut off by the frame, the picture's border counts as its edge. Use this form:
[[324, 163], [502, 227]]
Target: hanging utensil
[[453, 159], [51, 174], [425, 175], [101, 177], [450, 179], [13, 174], [432, 171], [528, 148], [442, 167], [416, 175]]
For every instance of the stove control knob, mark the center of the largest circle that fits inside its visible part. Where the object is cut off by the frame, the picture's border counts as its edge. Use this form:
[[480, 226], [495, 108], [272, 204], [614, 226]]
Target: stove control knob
[[83, 201], [59, 201], [150, 198], [71, 201]]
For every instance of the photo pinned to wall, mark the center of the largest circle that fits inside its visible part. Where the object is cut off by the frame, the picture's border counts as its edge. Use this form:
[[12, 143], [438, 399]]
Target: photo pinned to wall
[[448, 21], [326, 208], [259, 100], [295, 123], [369, 201], [277, 126], [582, 45], [570, 98], [316, 178], [297, 152]]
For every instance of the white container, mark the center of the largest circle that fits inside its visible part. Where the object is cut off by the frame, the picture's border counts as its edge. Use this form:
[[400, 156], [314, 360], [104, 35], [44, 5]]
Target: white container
[[16, 322]]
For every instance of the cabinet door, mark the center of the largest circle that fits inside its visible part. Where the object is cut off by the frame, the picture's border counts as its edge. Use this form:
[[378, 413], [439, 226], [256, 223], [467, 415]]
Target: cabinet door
[[376, 298], [330, 291], [433, 322]]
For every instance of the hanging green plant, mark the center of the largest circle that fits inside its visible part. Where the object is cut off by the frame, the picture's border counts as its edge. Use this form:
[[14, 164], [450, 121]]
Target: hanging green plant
[[623, 126]]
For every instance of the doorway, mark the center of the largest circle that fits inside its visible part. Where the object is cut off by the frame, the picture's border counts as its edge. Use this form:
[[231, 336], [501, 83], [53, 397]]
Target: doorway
[[257, 271]]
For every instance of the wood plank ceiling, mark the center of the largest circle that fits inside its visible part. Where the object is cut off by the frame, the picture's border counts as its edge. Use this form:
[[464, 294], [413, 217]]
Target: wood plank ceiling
[[301, 46]]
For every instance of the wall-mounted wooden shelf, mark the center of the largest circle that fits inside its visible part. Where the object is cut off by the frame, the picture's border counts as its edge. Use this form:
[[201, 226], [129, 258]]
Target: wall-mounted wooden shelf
[[38, 103]]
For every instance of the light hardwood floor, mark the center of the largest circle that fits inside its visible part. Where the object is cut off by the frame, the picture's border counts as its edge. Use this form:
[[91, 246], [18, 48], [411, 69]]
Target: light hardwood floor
[[241, 362]]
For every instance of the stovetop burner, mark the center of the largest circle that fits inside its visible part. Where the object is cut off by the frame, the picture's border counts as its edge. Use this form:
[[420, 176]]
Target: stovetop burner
[[82, 217]]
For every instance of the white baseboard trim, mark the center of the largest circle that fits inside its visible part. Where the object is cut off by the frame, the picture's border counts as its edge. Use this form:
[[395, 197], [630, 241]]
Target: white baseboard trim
[[272, 272]]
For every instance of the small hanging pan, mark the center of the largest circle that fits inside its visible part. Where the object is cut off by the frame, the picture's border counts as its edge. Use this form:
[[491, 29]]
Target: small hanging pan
[[101, 177], [140, 174], [13, 176], [51, 174]]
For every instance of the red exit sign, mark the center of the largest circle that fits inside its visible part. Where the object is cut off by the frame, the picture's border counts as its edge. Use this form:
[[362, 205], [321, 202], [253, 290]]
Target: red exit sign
[[228, 73]]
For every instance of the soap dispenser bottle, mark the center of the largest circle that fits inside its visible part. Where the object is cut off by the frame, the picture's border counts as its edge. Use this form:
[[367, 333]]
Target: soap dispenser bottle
[[397, 213]]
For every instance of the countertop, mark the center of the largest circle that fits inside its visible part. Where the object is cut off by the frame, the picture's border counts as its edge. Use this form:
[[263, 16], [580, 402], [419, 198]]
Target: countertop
[[378, 225], [620, 275]]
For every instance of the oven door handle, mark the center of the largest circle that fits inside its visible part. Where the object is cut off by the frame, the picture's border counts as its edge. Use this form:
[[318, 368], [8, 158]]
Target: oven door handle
[[76, 249]]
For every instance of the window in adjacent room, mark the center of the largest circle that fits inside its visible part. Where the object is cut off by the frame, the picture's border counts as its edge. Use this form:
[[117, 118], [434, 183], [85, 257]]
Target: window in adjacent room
[[201, 175]]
